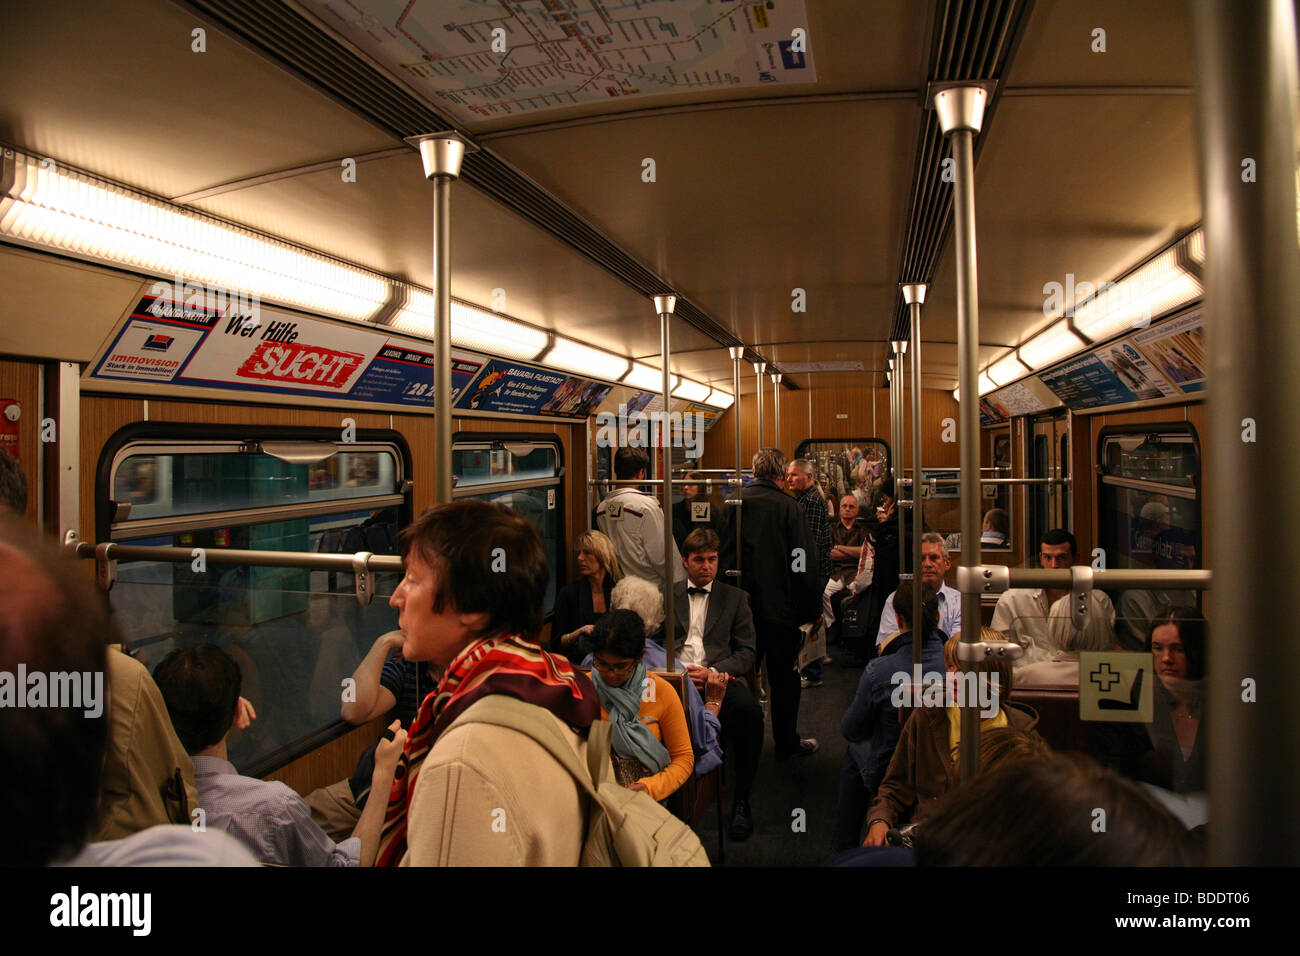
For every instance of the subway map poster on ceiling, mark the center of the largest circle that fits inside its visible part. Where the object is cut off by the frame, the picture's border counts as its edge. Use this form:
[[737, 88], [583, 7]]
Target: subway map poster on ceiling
[[486, 59]]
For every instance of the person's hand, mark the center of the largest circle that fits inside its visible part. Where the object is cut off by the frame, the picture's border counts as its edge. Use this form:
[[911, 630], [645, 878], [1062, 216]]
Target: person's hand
[[389, 752], [699, 676], [638, 785], [393, 641], [876, 835], [244, 714], [573, 637], [715, 689]]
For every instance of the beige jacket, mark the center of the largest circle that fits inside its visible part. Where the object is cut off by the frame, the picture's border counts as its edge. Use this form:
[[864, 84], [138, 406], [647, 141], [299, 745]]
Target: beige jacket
[[490, 796], [148, 778]]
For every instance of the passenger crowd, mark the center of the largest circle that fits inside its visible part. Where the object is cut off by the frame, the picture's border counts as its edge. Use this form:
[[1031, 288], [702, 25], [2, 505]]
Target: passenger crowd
[[496, 750]]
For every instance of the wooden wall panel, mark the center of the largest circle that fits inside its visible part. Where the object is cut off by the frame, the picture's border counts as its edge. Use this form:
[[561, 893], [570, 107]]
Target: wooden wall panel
[[20, 381], [868, 416], [101, 416], [331, 763]]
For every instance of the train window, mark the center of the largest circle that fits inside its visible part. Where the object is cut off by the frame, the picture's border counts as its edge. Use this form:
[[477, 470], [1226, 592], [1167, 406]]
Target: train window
[[523, 472], [296, 633], [842, 465], [1150, 514], [165, 485]]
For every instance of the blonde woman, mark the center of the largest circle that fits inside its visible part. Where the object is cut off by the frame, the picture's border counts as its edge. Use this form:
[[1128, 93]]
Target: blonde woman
[[579, 604]]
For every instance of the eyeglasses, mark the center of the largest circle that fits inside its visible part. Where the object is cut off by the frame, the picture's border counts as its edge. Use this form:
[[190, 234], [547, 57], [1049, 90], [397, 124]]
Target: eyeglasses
[[606, 668]]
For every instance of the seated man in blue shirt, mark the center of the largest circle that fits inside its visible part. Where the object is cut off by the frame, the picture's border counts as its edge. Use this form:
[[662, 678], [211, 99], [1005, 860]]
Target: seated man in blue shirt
[[871, 724], [934, 565], [384, 682], [200, 685]]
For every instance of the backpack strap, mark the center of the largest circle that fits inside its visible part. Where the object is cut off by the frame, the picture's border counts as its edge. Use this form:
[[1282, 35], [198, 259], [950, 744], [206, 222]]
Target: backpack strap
[[502, 711], [598, 747]]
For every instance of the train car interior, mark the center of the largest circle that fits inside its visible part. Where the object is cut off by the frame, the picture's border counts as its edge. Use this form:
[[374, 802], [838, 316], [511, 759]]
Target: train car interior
[[280, 275]]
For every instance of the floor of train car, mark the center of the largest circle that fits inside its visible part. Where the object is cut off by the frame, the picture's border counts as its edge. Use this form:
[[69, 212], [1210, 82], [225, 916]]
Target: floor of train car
[[807, 783]]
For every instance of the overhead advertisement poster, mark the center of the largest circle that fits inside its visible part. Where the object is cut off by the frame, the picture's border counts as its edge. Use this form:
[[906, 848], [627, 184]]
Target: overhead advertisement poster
[[265, 350], [991, 411], [1086, 382], [517, 388], [1132, 368], [707, 415], [488, 59], [1020, 399], [1177, 349]]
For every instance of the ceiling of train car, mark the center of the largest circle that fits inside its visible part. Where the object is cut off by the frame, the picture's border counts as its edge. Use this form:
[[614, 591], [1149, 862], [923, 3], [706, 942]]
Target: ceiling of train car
[[386, 217], [755, 194]]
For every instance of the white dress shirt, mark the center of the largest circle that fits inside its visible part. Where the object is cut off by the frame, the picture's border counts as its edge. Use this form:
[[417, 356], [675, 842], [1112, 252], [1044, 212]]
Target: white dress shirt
[[949, 600], [692, 652], [1022, 615]]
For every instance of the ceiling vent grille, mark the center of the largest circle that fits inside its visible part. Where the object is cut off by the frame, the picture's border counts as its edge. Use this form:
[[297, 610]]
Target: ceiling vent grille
[[971, 40]]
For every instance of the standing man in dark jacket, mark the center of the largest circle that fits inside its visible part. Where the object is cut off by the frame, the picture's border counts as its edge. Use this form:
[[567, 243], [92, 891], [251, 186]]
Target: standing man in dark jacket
[[779, 569]]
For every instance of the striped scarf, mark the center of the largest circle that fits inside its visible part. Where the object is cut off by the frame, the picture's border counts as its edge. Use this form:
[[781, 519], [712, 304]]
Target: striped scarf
[[509, 665]]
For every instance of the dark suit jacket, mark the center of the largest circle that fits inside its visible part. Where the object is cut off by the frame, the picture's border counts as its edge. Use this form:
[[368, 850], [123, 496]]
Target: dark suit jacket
[[729, 642], [573, 609], [772, 525]]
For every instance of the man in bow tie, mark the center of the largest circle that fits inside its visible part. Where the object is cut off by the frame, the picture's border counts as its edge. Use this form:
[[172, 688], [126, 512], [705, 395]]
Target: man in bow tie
[[715, 642]]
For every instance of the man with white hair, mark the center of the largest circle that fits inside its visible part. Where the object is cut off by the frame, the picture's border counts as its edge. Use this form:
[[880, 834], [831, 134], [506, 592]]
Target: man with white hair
[[934, 565]]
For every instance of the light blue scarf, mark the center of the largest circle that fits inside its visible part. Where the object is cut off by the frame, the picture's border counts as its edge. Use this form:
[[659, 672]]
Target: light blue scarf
[[630, 737]]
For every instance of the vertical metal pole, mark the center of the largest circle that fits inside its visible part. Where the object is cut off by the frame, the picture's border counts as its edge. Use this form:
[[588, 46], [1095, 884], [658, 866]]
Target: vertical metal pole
[[900, 471], [759, 368], [914, 295], [737, 354], [1246, 63], [441, 154], [587, 469], [442, 338], [664, 305], [67, 452], [961, 111], [776, 409]]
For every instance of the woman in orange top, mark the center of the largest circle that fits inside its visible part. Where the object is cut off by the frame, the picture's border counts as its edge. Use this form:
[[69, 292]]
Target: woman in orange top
[[649, 723]]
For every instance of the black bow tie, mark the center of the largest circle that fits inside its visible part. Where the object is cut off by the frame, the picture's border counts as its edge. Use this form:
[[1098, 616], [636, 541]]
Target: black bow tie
[[697, 590]]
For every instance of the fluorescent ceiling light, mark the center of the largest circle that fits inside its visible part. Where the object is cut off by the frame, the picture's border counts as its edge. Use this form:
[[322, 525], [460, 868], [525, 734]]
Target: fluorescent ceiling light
[[956, 394], [647, 378], [1007, 370], [473, 328], [1159, 287], [1196, 242], [584, 360], [691, 391], [719, 399], [986, 384], [1050, 346], [86, 217]]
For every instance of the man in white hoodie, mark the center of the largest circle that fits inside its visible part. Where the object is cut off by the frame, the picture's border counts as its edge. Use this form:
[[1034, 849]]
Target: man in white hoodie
[[634, 521]]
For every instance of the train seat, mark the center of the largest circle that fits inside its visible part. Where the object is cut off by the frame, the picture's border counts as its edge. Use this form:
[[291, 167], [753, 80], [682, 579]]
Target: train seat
[[1058, 715]]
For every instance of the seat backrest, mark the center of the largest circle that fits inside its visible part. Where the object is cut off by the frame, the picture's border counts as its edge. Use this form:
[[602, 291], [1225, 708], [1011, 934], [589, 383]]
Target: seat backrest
[[1058, 715], [678, 681]]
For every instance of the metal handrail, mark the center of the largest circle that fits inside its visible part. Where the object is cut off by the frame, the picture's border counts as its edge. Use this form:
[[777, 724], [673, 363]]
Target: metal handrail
[[310, 560]]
